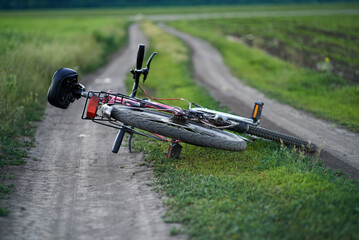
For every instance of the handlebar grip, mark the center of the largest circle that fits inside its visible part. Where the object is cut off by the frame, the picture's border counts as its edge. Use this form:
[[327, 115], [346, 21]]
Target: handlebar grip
[[140, 56], [118, 141]]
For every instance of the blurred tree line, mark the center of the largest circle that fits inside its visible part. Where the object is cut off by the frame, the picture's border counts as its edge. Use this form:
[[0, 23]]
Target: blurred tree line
[[41, 4]]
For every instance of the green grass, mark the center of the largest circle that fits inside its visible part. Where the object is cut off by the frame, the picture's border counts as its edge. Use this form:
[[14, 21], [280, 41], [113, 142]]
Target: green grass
[[5, 192], [323, 93], [335, 37], [146, 11], [31, 50], [4, 212], [264, 192], [179, 79]]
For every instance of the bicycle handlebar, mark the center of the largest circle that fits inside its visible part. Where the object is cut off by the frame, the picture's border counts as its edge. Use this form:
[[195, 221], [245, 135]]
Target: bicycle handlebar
[[136, 75], [140, 56]]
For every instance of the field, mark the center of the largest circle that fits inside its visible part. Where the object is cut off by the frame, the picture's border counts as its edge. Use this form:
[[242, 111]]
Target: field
[[312, 62], [320, 43], [133, 12], [31, 51], [267, 191]]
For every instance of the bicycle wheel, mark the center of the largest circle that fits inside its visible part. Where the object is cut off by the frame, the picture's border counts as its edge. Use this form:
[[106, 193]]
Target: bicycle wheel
[[191, 133], [280, 137]]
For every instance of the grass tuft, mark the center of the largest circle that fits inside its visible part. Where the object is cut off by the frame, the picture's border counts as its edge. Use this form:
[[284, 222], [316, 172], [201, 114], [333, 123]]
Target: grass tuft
[[4, 212]]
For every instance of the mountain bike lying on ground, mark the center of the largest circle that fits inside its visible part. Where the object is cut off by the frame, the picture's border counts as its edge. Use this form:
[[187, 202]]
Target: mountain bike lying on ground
[[195, 125]]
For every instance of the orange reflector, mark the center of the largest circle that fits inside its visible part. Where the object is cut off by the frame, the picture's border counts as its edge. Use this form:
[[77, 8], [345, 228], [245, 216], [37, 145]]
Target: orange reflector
[[92, 107], [255, 111]]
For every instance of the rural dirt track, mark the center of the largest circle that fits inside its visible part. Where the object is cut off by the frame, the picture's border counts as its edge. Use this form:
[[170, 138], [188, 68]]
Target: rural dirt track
[[79, 189], [340, 147], [248, 14]]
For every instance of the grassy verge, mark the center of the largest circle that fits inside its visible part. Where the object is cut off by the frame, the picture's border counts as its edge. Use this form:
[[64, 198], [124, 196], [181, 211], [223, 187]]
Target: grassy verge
[[129, 12], [305, 41], [265, 191], [31, 50], [323, 93]]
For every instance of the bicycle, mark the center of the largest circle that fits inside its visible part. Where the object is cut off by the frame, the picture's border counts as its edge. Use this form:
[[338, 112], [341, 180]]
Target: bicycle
[[196, 125]]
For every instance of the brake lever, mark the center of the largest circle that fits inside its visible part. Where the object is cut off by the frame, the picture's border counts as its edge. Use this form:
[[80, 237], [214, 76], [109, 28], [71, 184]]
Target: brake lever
[[144, 71], [150, 60], [147, 69]]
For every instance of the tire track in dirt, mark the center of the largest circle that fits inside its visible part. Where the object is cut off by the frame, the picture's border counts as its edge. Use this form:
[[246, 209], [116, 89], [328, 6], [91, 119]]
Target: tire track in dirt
[[79, 189], [340, 146]]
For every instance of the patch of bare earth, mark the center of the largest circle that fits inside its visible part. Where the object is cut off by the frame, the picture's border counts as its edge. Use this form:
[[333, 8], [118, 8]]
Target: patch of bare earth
[[301, 57]]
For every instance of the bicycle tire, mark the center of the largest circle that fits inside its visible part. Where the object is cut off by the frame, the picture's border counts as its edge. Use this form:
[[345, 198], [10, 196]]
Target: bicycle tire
[[191, 133], [281, 138]]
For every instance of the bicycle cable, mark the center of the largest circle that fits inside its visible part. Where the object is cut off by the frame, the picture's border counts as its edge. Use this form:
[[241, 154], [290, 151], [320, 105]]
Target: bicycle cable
[[162, 99]]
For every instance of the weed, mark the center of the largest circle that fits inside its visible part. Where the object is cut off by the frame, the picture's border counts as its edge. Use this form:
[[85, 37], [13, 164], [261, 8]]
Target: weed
[[175, 231], [5, 190], [7, 176], [4, 212]]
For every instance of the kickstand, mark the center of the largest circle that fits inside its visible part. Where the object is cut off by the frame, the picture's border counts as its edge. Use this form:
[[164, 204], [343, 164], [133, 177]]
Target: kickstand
[[129, 142], [174, 151]]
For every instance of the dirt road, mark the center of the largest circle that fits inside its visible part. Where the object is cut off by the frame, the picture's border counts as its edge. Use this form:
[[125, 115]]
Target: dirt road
[[79, 189], [340, 147], [248, 14]]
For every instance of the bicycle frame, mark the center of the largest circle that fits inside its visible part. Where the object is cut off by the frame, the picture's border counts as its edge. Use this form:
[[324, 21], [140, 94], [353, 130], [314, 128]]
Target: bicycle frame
[[111, 98]]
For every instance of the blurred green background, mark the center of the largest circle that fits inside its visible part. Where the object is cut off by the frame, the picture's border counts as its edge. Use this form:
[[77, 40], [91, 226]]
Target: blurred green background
[[306, 56]]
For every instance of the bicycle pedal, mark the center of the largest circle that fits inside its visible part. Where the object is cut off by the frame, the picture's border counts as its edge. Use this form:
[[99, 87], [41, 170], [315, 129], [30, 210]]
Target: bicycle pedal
[[257, 111]]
